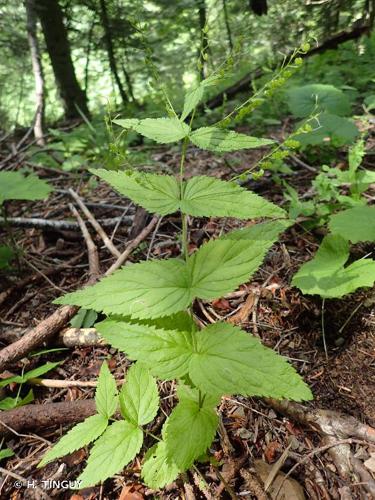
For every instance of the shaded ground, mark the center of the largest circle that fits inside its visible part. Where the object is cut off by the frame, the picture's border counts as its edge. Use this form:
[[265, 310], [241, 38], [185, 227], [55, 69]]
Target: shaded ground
[[277, 313]]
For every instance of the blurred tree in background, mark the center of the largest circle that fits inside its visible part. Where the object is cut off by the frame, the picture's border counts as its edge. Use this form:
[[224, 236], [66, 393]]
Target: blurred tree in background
[[66, 58]]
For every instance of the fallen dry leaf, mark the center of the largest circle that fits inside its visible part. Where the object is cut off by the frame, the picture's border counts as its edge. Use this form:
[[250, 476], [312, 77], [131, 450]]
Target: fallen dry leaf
[[281, 488], [129, 492]]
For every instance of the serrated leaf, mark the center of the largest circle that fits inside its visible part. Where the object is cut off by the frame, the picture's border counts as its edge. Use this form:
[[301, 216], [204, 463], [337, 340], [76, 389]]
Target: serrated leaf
[[209, 197], [106, 398], [157, 472], [220, 359], [229, 360], [79, 436], [192, 99], [182, 321], [139, 397], [162, 130], [166, 352], [220, 266], [144, 290], [325, 274], [154, 289], [15, 186], [156, 193], [303, 101], [112, 451], [189, 431], [201, 196], [194, 96], [264, 232], [355, 224], [221, 141]]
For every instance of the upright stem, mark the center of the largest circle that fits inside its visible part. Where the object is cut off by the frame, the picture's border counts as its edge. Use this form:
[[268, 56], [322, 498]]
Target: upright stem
[[201, 398], [323, 329], [184, 235]]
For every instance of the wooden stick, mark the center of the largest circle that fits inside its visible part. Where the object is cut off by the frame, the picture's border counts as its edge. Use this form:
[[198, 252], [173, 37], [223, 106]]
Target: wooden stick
[[132, 245], [37, 336], [62, 384], [92, 251], [98, 228], [60, 225]]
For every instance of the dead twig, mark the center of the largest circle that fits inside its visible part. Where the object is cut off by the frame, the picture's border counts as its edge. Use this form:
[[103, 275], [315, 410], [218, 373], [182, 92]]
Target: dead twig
[[37, 336], [60, 225], [63, 384], [132, 245], [95, 224], [92, 251]]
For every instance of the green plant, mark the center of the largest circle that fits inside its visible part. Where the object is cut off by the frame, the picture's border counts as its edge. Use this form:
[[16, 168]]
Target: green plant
[[326, 274], [9, 402], [6, 256], [332, 105], [333, 189], [16, 186], [150, 315]]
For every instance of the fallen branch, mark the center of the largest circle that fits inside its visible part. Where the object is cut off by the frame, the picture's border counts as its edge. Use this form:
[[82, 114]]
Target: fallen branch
[[133, 245], [60, 225], [92, 251], [37, 336], [35, 417]]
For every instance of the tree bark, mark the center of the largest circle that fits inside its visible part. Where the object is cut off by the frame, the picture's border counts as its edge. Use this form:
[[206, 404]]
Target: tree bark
[[32, 37], [227, 25], [203, 46], [110, 50], [58, 47]]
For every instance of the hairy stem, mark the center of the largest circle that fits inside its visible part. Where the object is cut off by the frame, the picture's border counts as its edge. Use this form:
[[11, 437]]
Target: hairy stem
[[184, 235]]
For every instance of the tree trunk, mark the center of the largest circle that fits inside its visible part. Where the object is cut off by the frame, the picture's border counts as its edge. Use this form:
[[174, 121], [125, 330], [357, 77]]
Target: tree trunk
[[56, 37], [244, 84], [110, 50], [32, 37], [259, 7], [203, 48], [227, 25]]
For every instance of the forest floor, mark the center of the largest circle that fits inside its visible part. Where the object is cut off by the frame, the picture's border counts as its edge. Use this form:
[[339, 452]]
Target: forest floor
[[258, 440]]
